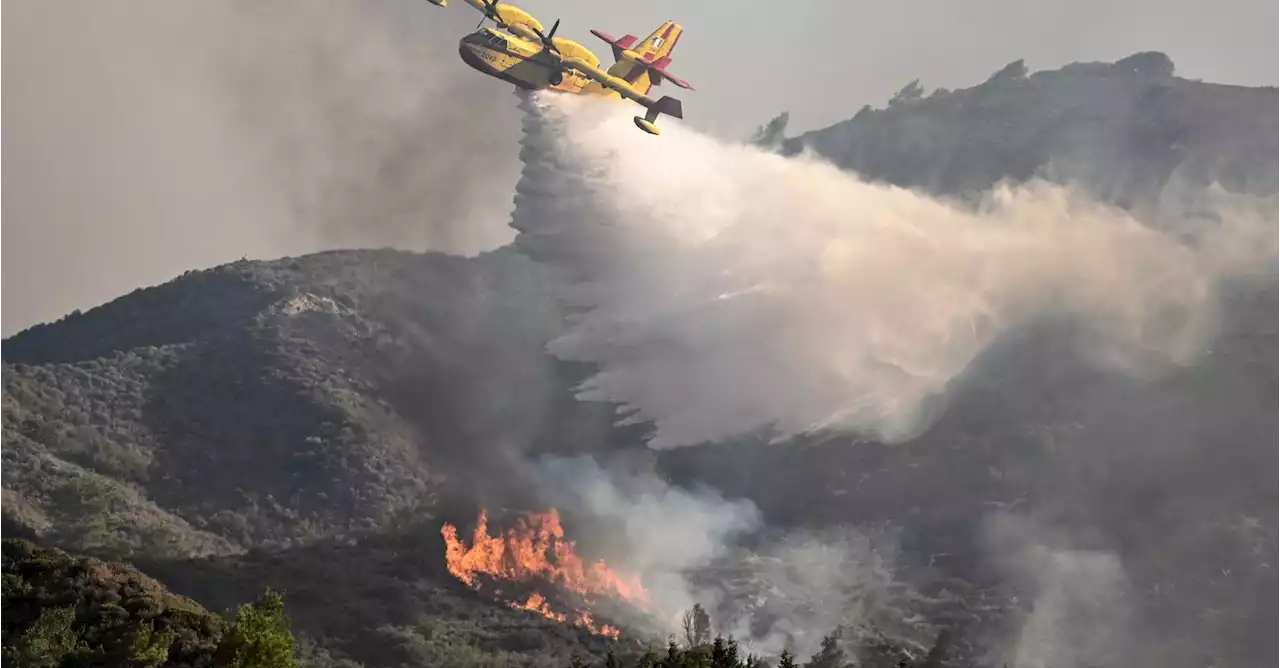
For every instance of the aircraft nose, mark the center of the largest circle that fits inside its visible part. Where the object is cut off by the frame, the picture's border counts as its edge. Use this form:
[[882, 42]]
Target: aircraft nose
[[468, 53]]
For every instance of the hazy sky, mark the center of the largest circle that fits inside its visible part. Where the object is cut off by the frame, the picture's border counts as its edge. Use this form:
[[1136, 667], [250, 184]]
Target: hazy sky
[[147, 137], [824, 60]]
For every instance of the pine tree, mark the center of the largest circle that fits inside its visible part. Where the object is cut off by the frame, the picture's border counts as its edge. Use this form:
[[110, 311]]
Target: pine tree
[[724, 653], [829, 655], [771, 134]]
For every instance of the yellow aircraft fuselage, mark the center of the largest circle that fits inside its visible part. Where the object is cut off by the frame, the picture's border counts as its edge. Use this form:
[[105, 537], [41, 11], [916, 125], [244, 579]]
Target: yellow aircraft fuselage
[[517, 60]]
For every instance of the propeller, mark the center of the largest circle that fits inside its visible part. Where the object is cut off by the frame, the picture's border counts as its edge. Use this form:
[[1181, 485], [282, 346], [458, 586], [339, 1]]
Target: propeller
[[490, 12], [546, 39]]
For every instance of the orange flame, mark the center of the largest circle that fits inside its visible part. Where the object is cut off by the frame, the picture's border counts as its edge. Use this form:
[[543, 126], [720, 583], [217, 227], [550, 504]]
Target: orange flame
[[539, 605], [604, 630], [536, 548]]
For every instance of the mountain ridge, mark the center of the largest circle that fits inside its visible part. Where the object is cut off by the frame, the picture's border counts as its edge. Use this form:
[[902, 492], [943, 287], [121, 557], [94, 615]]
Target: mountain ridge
[[1125, 130]]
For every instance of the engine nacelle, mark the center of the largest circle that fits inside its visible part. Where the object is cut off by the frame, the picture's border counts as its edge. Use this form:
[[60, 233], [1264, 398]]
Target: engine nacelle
[[571, 50], [512, 15]]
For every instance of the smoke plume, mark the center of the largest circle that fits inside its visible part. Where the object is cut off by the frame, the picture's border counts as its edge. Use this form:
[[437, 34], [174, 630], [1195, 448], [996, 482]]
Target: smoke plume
[[725, 290], [769, 589], [152, 137], [665, 530], [794, 587], [364, 118], [722, 290], [1082, 612]]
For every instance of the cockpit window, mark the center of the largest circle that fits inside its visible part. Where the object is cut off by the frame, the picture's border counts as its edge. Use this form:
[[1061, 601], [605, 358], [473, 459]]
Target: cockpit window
[[492, 38]]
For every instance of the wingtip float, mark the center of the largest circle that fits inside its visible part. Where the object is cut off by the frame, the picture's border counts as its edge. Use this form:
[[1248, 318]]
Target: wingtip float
[[520, 52]]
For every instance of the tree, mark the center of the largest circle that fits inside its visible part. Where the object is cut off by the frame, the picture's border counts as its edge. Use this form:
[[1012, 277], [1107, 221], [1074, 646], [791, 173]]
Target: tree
[[771, 134], [148, 649], [786, 660], [1011, 72], [48, 642], [261, 637], [673, 655], [85, 507], [697, 626], [829, 655], [1147, 63], [611, 661], [724, 653], [910, 92]]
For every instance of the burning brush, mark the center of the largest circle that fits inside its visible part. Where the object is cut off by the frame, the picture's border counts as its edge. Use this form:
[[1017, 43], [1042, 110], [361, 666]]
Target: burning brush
[[535, 552]]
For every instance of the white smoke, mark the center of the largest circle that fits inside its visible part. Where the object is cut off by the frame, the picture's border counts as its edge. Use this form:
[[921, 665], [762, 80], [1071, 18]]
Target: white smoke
[[768, 589], [798, 586], [667, 530], [726, 289], [1081, 613]]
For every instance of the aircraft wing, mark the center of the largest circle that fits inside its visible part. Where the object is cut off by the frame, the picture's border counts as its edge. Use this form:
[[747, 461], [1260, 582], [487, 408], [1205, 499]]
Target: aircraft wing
[[607, 80], [664, 105]]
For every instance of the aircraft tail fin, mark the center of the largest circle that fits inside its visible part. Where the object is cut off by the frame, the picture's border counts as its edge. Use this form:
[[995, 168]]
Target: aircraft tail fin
[[659, 43], [652, 55]]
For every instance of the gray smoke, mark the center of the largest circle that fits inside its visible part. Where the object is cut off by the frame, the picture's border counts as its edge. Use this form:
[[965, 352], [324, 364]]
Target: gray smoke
[[769, 589], [1081, 613], [794, 587], [725, 289], [151, 137], [365, 119], [665, 531]]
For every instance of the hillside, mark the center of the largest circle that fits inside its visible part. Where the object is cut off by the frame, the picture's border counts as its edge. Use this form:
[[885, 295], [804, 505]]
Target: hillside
[[387, 601], [60, 610], [1126, 130], [332, 401], [307, 423], [328, 394]]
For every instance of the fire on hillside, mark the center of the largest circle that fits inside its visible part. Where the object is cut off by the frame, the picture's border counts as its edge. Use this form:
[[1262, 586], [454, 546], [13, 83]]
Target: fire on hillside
[[535, 551]]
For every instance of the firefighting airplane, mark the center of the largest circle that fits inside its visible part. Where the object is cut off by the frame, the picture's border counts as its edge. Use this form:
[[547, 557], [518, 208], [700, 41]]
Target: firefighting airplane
[[520, 53]]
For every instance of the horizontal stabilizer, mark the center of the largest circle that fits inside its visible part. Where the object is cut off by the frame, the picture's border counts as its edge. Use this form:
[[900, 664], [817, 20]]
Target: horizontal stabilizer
[[619, 45], [659, 68]]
